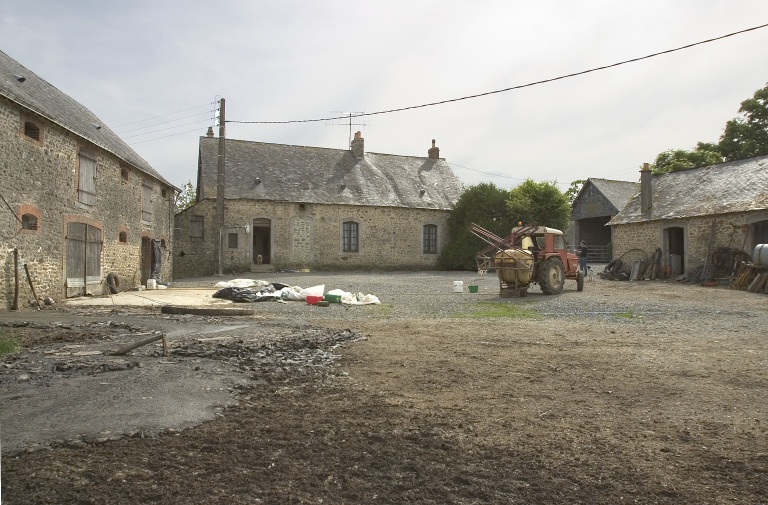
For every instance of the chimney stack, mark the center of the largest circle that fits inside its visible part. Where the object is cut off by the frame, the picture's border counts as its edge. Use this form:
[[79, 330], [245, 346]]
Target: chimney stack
[[209, 133], [434, 153], [646, 191], [357, 146]]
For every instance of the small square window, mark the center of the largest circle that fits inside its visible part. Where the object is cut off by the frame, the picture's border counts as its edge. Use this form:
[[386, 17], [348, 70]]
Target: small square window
[[29, 222], [232, 240], [31, 130]]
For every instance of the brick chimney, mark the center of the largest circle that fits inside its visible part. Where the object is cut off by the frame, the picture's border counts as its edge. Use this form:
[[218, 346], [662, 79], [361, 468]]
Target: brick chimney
[[357, 146], [434, 153], [646, 189], [209, 133]]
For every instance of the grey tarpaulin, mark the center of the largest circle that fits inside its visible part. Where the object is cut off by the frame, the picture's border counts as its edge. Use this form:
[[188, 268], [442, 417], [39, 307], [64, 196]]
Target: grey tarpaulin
[[157, 260]]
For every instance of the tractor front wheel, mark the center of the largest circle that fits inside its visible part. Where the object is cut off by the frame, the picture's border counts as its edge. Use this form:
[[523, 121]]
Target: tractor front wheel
[[551, 276], [580, 281]]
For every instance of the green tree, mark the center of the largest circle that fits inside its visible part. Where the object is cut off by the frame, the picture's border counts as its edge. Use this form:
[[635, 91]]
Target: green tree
[[186, 198], [573, 190], [746, 136], [483, 204], [674, 160], [539, 202]]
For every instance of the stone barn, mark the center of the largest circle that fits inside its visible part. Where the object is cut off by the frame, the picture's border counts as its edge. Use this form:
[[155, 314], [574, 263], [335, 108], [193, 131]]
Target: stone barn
[[78, 205], [594, 206], [296, 207], [689, 214]]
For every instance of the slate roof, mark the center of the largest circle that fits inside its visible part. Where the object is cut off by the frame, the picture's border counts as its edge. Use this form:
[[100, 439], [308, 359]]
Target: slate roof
[[41, 97], [278, 172], [617, 192], [736, 186]]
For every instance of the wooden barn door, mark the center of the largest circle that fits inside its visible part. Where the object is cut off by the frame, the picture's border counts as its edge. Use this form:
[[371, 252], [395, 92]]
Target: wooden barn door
[[83, 259]]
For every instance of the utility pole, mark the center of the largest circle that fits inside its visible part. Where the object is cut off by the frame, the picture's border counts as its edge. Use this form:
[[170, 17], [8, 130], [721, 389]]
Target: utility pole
[[220, 186]]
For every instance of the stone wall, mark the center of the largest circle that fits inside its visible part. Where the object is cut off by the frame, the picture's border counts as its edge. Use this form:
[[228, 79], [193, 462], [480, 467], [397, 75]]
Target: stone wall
[[306, 236], [701, 235], [40, 178]]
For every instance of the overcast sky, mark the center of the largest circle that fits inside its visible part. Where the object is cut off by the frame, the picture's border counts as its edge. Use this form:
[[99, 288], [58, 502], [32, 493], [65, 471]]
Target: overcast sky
[[130, 62]]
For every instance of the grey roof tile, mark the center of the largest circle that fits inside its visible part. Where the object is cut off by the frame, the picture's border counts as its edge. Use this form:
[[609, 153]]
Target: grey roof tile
[[617, 192], [39, 96], [279, 172], [736, 186]]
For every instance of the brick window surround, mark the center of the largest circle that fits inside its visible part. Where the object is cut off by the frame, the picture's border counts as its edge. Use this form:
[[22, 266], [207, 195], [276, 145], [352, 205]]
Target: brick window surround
[[32, 130], [31, 218]]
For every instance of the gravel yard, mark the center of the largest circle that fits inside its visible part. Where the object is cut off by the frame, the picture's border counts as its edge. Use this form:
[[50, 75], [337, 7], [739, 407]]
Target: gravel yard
[[641, 392]]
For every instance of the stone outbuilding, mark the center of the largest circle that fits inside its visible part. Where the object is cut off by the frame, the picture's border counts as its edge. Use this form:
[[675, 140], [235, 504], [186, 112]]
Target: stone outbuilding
[[77, 203], [689, 214], [296, 207], [594, 206]]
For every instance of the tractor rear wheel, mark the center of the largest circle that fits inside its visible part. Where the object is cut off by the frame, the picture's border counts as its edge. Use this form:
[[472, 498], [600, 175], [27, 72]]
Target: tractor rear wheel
[[551, 276]]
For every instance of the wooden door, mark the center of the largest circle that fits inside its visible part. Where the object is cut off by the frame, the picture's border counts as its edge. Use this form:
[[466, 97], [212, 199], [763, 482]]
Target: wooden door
[[83, 243]]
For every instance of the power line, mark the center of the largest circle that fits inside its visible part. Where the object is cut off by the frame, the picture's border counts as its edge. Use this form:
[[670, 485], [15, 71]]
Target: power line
[[163, 122], [164, 137], [528, 85], [486, 173], [169, 128], [164, 115], [503, 176]]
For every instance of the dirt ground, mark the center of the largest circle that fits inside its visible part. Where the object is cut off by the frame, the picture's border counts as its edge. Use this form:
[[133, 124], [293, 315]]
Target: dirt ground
[[636, 393]]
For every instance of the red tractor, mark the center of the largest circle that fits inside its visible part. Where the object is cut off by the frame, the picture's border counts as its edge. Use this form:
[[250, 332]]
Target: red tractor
[[530, 255]]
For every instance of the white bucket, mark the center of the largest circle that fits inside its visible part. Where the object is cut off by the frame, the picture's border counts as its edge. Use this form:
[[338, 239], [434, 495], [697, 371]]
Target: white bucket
[[458, 286], [151, 284]]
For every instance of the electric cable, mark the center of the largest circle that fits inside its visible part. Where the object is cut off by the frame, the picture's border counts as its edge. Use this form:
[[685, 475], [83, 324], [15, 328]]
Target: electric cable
[[163, 122], [169, 128], [511, 88], [164, 115], [163, 137]]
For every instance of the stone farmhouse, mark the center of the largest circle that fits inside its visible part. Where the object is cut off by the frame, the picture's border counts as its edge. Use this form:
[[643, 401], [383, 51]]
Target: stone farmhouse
[[595, 204], [77, 203], [690, 213], [296, 207]]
